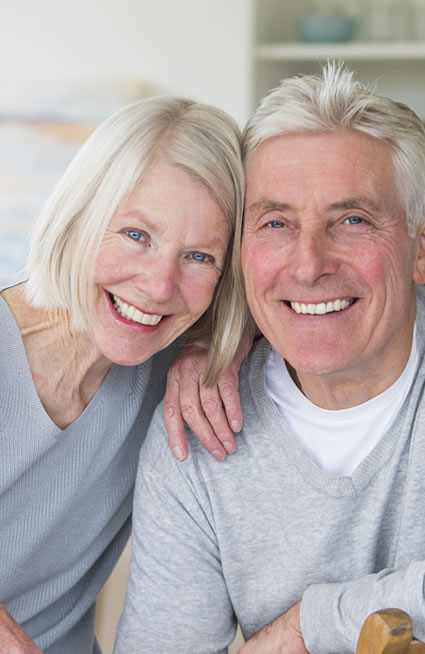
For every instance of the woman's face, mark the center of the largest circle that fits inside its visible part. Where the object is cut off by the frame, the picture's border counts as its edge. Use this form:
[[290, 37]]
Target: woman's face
[[158, 264]]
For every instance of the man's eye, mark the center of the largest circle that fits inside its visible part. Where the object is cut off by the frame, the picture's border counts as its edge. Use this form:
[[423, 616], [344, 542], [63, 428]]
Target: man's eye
[[135, 235], [275, 223], [353, 220]]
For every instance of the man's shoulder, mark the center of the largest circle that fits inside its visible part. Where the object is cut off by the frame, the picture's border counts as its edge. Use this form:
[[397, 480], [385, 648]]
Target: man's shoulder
[[420, 299], [420, 319], [156, 454], [254, 366]]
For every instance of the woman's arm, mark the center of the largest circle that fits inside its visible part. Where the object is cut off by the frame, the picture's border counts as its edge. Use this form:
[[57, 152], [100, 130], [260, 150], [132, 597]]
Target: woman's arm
[[13, 638], [213, 414]]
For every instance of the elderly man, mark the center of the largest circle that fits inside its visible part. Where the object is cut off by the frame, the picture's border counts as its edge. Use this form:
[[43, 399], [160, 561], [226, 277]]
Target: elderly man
[[317, 519]]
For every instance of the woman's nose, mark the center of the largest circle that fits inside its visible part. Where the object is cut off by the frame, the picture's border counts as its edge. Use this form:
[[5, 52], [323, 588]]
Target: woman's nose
[[159, 278]]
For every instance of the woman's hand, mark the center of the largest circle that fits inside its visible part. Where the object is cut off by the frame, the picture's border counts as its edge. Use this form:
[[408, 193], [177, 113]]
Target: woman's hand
[[13, 639], [213, 414]]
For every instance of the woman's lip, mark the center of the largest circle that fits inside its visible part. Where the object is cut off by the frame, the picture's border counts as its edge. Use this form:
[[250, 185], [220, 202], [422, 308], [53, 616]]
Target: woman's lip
[[132, 324], [113, 296]]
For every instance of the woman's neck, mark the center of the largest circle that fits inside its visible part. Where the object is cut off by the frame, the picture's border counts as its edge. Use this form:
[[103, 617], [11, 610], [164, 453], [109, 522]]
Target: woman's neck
[[67, 367]]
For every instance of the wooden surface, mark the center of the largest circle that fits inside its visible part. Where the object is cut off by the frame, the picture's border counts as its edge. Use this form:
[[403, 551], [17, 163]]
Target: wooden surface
[[388, 632]]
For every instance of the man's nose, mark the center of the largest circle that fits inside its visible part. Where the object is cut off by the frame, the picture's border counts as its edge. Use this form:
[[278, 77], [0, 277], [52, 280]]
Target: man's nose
[[313, 257]]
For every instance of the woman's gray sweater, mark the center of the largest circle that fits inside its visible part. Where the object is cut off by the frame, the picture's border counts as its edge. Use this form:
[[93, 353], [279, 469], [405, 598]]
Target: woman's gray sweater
[[66, 495]]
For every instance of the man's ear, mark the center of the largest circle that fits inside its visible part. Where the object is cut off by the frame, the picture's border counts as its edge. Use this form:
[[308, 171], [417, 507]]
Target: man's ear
[[419, 269]]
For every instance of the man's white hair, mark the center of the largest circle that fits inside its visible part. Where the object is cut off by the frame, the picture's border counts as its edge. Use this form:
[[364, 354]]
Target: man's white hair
[[336, 101]]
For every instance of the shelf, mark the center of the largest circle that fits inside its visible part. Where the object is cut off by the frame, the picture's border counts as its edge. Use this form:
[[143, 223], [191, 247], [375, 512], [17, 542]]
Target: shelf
[[353, 51]]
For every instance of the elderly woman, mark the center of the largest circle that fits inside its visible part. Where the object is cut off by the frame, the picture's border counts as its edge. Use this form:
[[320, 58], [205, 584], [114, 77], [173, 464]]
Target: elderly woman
[[130, 251]]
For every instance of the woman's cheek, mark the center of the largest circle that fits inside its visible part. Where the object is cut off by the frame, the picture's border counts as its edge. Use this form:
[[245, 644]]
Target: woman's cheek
[[202, 292]]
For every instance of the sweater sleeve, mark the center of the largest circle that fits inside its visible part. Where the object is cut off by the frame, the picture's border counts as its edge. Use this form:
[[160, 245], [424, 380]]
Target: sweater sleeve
[[332, 614], [176, 599]]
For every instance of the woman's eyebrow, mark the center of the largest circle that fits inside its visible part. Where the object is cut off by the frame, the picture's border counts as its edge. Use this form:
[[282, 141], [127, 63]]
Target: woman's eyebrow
[[134, 213]]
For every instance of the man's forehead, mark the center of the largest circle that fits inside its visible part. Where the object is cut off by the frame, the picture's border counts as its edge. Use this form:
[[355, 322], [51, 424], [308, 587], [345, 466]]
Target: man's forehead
[[347, 158], [344, 138]]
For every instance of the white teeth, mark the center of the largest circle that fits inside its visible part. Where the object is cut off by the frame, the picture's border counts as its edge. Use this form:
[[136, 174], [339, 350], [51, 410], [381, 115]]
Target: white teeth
[[321, 308], [131, 313]]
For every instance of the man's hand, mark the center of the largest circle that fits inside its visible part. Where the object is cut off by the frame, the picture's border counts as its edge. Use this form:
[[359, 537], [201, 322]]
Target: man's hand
[[282, 636], [13, 640], [211, 413]]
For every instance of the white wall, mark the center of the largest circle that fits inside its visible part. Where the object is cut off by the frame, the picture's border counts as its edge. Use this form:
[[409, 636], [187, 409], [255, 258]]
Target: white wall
[[198, 48]]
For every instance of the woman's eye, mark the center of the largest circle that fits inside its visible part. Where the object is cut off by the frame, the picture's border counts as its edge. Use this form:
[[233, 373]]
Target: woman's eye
[[275, 224], [135, 235], [201, 257], [353, 220]]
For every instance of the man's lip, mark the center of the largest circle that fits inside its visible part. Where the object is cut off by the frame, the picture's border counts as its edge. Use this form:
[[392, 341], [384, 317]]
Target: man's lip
[[333, 298]]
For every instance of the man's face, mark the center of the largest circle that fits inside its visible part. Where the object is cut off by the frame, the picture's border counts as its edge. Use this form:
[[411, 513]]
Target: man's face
[[329, 268]]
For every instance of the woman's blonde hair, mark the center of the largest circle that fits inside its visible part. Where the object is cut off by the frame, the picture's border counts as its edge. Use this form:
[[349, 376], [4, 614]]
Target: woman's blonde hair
[[201, 139]]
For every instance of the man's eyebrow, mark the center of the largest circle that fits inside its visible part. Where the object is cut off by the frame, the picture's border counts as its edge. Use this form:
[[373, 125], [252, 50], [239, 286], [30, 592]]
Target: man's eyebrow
[[357, 202], [266, 205]]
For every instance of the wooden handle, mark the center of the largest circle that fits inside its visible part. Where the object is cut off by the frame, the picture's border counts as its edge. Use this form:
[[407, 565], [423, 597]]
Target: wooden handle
[[416, 647], [387, 632]]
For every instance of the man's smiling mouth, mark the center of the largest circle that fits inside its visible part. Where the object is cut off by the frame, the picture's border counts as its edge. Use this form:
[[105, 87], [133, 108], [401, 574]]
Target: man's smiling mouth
[[129, 312], [321, 308]]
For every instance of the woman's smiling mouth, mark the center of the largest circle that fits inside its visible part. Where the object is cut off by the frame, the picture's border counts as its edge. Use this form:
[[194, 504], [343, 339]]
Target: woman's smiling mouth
[[130, 312]]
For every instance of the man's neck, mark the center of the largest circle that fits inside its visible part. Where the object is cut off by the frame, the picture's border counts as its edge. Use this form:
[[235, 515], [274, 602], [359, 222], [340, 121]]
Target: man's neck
[[350, 388]]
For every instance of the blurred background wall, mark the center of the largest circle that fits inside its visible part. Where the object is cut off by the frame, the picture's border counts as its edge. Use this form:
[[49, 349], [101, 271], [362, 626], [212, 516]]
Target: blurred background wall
[[215, 51], [225, 52], [198, 48]]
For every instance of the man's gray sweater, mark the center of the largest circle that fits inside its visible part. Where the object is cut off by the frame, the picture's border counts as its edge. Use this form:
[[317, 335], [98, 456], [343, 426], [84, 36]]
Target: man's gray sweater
[[244, 540]]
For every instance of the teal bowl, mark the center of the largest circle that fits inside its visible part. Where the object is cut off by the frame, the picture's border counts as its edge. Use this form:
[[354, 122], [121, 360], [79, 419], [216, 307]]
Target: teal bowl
[[321, 28]]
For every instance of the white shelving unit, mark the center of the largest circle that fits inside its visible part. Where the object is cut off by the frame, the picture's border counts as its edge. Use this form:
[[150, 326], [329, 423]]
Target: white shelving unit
[[397, 68], [353, 51]]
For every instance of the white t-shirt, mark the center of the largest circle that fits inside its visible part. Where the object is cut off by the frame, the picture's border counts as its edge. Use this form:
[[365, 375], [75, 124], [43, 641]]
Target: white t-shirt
[[337, 441]]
